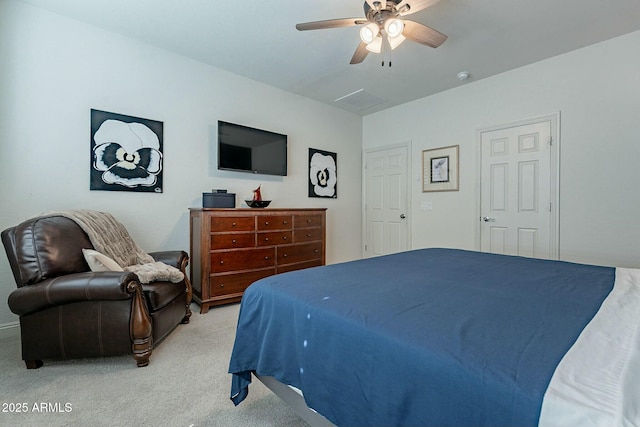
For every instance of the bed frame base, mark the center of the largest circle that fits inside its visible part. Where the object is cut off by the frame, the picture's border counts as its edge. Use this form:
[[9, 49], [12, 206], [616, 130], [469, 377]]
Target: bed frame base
[[295, 401]]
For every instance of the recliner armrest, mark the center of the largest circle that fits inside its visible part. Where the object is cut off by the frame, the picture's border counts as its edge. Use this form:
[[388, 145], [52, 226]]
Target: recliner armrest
[[173, 258], [103, 285], [179, 260]]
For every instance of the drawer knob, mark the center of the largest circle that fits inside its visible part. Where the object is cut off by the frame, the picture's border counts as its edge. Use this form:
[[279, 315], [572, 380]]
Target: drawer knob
[[316, 251], [266, 258], [284, 255], [284, 222], [308, 221], [222, 285], [266, 223], [308, 235], [233, 224], [284, 237], [233, 241], [266, 239], [221, 262]]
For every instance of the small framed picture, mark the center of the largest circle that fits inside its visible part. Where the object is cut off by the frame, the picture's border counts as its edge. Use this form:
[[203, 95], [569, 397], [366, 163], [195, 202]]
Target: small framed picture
[[440, 169]]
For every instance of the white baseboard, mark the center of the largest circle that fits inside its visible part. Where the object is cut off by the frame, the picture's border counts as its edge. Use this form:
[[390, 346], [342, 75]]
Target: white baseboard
[[9, 330]]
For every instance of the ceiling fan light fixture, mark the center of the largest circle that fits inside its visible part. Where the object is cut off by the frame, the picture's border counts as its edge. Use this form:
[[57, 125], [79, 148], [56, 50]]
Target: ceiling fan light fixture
[[393, 27], [376, 45], [369, 32], [396, 41]]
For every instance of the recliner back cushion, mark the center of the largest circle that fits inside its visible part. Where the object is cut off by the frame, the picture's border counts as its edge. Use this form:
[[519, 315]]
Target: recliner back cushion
[[48, 247]]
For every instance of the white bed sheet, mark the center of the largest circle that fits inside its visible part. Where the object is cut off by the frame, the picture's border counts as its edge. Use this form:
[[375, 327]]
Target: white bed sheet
[[597, 383]]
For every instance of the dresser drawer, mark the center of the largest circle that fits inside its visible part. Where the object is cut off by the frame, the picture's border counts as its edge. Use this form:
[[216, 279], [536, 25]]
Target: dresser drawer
[[274, 222], [307, 235], [232, 223], [224, 284], [307, 220], [270, 238], [243, 259], [230, 241], [299, 253]]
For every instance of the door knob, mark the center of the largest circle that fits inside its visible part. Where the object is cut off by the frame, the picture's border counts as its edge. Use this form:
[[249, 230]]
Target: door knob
[[488, 219], [402, 216]]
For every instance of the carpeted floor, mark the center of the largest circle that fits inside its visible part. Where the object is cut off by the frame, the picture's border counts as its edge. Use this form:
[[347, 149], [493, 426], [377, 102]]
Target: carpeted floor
[[186, 384]]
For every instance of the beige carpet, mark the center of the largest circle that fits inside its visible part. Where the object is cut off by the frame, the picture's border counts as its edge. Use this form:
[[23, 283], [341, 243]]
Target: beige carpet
[[186, 384]]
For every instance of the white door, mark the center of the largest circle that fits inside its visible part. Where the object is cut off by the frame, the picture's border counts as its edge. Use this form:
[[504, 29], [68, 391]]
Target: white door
[[518, 198], [386, 202]]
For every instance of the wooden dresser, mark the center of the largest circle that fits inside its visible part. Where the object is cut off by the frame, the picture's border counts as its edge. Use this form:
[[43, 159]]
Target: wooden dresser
[[232, 248]]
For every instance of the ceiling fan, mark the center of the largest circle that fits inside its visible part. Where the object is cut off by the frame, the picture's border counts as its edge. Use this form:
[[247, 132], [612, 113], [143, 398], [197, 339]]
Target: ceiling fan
[[383, 26]]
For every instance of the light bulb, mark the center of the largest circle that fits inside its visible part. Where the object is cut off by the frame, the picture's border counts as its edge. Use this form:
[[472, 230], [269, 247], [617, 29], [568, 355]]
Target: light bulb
[[369, 32], [393, 27]]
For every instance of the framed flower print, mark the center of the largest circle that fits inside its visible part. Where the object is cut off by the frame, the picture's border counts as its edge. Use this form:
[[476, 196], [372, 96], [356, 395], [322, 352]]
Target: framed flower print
[[323, 177], [126, 153]]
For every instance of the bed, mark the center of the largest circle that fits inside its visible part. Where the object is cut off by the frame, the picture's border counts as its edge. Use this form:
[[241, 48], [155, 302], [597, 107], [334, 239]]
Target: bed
[[445, 337]]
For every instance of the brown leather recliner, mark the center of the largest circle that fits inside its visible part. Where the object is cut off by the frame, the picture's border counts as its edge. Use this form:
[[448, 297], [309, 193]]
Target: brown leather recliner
[[67, 311]]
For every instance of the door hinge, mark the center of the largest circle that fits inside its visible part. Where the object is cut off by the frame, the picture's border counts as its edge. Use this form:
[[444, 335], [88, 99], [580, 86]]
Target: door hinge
[[550, 207], [550, 140]]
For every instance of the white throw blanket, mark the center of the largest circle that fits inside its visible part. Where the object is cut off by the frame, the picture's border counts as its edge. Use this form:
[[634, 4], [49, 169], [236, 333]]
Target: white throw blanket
[[111, 238]]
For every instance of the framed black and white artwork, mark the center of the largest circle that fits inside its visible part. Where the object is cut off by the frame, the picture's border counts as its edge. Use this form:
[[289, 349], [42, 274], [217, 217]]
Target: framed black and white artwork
[[323, 177], [126, 153], [440, 169]]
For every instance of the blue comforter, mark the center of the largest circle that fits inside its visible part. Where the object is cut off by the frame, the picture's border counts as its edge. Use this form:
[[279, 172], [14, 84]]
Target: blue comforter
[[432, 337]]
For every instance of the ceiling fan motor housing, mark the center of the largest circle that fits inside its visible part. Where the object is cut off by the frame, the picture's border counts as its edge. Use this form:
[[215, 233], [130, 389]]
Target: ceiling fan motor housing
[[380, 15]]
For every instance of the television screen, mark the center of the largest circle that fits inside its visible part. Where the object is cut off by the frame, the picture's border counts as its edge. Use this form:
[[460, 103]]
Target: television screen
[[245, 149]]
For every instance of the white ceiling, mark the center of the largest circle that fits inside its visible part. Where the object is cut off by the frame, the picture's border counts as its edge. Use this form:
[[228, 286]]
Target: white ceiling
[[258, 39]]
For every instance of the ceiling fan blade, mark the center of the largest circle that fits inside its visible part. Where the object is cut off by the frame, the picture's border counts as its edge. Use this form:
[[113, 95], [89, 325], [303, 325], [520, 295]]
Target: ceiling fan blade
[[406, 7], [360, 53], [330, 23], [422, 34]]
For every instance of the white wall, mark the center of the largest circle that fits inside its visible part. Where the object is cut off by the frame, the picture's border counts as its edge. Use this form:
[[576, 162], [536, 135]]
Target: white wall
[[54, 70], [596, 90]]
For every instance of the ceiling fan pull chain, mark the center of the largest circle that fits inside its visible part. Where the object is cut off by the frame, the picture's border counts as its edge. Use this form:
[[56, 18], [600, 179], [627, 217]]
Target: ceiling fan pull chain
[[386, 51]]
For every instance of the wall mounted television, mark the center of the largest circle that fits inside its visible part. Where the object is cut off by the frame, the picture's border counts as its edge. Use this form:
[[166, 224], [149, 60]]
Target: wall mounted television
[[246, 149]]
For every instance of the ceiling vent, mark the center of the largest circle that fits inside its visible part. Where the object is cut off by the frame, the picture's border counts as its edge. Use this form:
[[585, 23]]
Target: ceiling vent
[[360, 99]]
